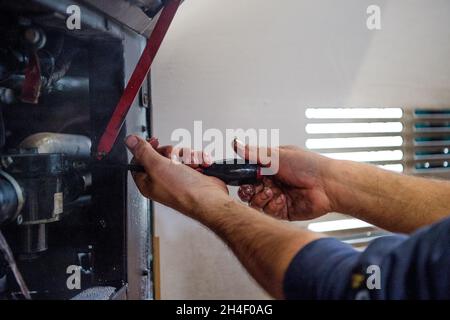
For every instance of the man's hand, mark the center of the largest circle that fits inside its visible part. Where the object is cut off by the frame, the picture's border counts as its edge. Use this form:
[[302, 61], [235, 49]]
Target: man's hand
[[264, 245], [171, 183], [297, 192], [309, 185]]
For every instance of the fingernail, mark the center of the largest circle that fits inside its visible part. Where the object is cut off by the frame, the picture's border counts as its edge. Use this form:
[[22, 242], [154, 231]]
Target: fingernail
[[267, 193], [207, 159], [247, 189], [131, 142], [238, 142], [154, 142], [280, 199]]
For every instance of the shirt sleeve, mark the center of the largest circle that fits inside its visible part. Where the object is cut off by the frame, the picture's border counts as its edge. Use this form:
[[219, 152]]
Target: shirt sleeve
[[392, 267]]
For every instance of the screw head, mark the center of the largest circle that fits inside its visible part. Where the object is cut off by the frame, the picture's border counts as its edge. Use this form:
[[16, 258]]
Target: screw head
[[6, 161]]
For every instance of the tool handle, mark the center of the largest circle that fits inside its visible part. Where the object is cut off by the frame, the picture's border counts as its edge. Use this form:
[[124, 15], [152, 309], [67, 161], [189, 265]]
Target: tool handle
[[234, 173]]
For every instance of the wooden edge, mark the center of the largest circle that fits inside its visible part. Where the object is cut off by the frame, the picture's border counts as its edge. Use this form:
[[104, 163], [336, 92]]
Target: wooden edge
[[156, 269]]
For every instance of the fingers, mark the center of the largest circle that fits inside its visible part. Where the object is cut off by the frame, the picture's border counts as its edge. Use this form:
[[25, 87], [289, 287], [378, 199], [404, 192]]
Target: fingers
[[267, 191], [142, 181], [193, 159], [246, 192], [143, 151], [267, 197], [196, 159], [277, 207], [154, 142], [254, 154], [261, 199]]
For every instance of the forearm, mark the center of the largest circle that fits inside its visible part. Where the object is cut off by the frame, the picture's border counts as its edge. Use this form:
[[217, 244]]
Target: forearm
[[389, 200], [264, 246]]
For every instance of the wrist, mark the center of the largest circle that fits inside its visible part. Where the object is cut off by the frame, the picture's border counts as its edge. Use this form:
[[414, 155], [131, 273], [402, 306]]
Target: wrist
[[334, 173]]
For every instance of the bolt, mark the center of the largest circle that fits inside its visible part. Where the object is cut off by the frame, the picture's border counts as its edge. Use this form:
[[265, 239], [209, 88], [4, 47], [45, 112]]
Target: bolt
[[6, 161], [32, 35], [103, 223], [7, 96], [101, 154], [35, 37], [145, 100]]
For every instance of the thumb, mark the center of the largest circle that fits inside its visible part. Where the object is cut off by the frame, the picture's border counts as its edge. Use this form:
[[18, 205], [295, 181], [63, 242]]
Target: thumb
[[143, 151], [254, 154]]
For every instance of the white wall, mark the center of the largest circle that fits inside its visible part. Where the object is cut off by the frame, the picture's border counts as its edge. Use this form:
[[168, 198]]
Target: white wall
[[258, 64]]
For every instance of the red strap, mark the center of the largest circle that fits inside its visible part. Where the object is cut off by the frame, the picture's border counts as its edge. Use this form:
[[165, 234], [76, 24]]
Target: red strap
[[31, 87], [140, 72]]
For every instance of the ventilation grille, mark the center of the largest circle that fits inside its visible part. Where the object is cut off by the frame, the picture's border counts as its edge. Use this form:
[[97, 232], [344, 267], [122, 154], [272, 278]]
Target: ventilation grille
[[372, 135], [430, 136]]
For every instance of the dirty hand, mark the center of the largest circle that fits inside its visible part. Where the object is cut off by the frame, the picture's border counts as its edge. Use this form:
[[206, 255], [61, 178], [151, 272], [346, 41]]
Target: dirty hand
[[298, 191], [171, 183]]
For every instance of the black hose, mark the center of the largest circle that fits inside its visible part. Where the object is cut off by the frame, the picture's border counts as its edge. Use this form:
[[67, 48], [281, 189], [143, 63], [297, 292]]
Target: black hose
[[2, 129], [8, 201]]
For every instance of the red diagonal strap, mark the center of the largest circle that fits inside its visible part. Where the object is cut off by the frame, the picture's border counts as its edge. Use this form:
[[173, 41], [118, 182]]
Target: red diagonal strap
[[31, 87], [137, 78]]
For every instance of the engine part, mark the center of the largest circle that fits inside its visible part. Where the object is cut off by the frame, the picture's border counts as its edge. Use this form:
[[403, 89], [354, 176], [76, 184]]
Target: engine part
[[33, 239], [7, 96], [41, 176], [11, 198], [11, 62], [110, 220], [35, 37], [69, 144]]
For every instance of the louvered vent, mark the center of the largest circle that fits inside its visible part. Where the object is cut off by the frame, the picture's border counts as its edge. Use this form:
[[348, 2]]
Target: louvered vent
[[429, 139], [372, 135]]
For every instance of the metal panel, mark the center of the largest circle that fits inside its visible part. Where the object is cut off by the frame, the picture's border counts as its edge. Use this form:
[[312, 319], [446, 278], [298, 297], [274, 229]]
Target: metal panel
[[126, 13], [138, 207]]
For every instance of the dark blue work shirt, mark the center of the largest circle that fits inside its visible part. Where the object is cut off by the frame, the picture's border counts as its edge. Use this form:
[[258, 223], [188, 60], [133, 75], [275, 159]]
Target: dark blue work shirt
[[392, 267]]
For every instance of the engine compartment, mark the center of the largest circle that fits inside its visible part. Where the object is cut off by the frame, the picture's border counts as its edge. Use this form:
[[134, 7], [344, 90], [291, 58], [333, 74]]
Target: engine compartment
[[66, 216]]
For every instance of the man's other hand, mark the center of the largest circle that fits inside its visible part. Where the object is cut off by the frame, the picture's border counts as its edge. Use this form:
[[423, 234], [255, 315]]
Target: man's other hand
[[298, 191]]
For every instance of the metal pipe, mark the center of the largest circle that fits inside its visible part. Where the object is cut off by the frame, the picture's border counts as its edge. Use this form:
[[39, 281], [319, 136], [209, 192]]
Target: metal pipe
[[69, 144], [6, 250], [34, 240]]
